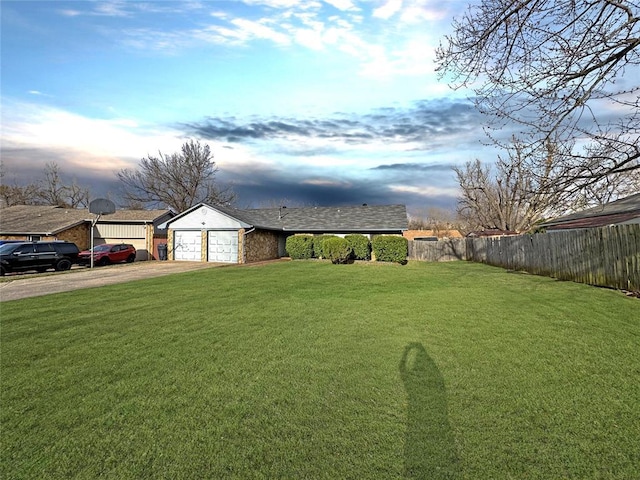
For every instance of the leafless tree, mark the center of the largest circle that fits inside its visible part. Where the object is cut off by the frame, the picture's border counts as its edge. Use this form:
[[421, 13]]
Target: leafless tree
[[15, 194], [509, 196], [53, 190], [434, 219], [177, 181], [50, 190], [566, 71]]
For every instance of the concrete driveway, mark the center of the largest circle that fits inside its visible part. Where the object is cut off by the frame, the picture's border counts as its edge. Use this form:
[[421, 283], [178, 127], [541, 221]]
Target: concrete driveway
[[15, 287]]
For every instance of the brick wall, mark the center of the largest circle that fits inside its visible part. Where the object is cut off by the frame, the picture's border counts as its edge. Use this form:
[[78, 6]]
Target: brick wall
[[80, 235]]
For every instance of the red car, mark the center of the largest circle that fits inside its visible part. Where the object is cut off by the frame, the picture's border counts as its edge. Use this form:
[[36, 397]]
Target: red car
[[109, 253]]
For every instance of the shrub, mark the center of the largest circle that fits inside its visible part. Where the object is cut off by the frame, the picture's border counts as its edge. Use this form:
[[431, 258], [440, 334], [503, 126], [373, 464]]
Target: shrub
[[299, 247], [337, 249], [318, 240], [390, 248], [360, 246]]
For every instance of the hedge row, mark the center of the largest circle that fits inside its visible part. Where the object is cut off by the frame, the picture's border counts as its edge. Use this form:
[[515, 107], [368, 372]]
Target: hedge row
[[386, 248]]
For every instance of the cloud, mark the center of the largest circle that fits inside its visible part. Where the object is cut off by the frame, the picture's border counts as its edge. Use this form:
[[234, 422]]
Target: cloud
[[376, 157], [424, 125], [413, 167], [342, 4], [387, 10], [260, 30]]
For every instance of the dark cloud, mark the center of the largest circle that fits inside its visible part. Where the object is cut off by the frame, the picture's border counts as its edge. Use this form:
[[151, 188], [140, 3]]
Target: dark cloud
[[265, 187], [416, 167], [424, 122]]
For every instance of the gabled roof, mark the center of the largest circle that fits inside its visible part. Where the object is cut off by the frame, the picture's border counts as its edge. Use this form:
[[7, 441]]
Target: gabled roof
[[619, 211], [374, 218], [50, 220]]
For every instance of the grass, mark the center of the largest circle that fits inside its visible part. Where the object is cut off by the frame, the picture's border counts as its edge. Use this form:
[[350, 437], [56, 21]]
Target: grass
[[312, 370]]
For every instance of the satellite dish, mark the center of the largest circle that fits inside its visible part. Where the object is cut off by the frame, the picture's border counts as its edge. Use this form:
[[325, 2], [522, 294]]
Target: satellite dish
[[102, 206]]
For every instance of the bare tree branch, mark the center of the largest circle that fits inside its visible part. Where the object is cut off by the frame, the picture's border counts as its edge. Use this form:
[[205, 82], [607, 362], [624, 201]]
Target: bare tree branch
[[556, 68], [177, 181]]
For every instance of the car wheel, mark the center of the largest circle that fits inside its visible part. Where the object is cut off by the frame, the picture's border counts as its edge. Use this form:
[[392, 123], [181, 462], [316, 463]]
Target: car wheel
[[2, 272], [131, 258], [63, 264], [103, 261]]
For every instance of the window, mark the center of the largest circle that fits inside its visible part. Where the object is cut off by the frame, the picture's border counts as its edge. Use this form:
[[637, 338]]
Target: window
[[24, 249], [34, 238], [44, 248]]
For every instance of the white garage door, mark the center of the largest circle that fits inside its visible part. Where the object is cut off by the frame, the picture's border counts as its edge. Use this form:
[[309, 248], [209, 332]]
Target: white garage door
[[187, 245], [223, 246]]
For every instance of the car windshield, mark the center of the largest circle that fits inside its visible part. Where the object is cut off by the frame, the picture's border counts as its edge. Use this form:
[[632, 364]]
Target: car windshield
[[102, 248], [7, 248]]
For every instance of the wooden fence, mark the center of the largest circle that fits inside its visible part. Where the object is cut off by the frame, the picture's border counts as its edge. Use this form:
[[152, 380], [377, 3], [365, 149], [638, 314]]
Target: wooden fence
[[607, 256]]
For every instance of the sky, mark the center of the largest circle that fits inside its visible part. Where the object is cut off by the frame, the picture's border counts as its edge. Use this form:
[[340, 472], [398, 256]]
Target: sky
[[305, 102]]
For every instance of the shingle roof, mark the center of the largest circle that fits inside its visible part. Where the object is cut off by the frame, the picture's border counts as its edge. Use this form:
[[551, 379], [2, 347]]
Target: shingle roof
[[618, 211], [364, 218], [42, 220], [49, 220]]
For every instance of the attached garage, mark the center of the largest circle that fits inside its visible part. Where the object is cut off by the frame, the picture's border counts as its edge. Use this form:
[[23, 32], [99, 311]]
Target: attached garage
[[205, 233]]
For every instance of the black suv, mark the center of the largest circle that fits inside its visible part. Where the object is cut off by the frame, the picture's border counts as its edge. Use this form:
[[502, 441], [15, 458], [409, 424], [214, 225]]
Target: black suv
[[40, 256]]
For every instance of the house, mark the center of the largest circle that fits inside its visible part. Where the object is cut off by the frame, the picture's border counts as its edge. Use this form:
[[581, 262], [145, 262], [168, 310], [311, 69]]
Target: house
[[35, 222], [623, 211], [209, 233]]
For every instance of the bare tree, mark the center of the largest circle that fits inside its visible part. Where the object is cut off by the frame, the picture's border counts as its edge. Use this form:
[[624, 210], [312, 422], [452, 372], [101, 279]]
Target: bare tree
[[51, 190], [566, 71], [77, 196], [177, 181], [509, 196], [15, 194], [54, 191], [434, 219]]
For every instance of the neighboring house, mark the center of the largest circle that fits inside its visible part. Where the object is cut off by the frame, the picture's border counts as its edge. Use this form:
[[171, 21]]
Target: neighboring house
[[623, 211], [221, 234], [34, 222]]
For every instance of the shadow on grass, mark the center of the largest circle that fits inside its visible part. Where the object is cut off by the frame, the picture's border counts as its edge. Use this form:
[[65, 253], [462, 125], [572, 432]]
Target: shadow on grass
[[430, 450]]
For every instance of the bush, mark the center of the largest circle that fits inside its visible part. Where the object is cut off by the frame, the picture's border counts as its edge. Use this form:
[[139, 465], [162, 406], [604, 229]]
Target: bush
[[318, 240], [390, 248], [337, 250], [300, 247], [360, 246]]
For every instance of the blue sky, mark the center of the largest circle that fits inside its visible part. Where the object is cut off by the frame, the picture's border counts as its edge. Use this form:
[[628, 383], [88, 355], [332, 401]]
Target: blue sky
[[309, 102]]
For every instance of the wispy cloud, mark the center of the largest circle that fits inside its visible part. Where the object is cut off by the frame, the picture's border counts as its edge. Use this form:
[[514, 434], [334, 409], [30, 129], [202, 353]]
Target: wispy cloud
[[343, 27], [424, 125]]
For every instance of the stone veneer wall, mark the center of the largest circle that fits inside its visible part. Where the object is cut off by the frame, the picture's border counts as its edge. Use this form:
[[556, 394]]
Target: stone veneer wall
[[170, 255], [258, 245]]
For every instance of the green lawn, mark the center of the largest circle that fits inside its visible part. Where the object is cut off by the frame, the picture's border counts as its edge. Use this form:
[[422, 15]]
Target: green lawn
[[312, 370]]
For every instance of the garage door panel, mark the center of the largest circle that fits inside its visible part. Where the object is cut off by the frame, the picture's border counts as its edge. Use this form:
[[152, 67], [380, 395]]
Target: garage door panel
[[223, 246], [187, 245]]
